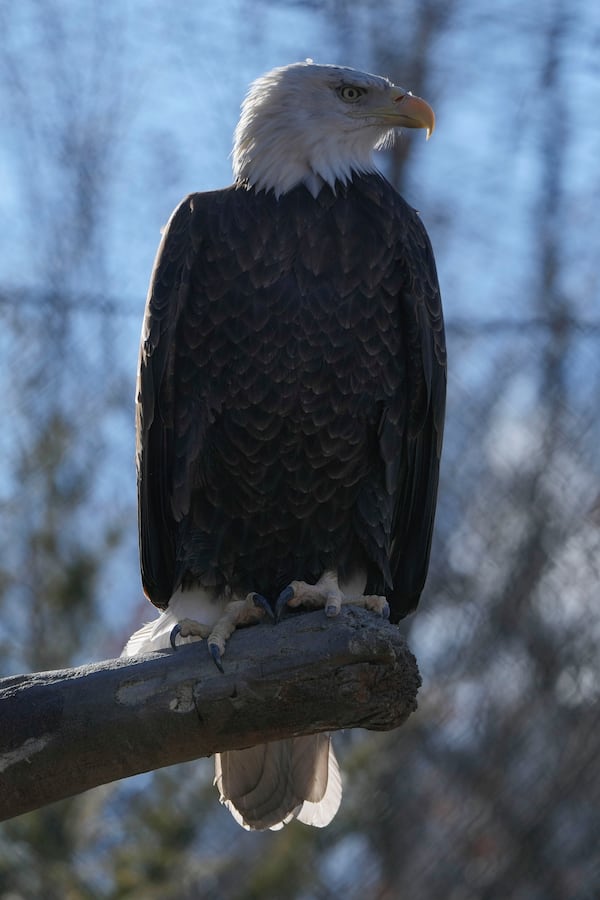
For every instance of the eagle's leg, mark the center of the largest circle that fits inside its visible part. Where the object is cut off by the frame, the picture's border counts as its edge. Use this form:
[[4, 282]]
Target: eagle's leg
[[326, 594], [236, 613]]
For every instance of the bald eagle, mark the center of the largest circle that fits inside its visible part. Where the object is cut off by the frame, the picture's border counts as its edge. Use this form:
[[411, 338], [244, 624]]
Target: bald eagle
[[290, 399]]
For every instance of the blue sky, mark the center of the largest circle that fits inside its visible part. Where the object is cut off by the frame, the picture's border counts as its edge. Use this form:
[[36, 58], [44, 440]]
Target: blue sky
[[174, 77]]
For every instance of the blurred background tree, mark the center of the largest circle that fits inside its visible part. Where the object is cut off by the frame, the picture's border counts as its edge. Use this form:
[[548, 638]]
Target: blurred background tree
[[110, 114]]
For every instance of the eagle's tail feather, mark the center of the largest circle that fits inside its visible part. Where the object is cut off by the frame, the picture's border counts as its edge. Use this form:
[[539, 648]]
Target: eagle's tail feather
[[269, 785]]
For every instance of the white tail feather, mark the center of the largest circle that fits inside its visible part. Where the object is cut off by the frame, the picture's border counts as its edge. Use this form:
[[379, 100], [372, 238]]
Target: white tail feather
[[269, 785], [320, 814]]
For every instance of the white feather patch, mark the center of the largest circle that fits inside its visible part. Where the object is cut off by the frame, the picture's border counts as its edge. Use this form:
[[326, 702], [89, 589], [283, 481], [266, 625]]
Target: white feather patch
[[269, 785], [200, 604]]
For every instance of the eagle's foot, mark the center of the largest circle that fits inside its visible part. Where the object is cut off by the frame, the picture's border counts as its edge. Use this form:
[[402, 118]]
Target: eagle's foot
[[374, 602], [189, 628], [326, 594], [237, 613]]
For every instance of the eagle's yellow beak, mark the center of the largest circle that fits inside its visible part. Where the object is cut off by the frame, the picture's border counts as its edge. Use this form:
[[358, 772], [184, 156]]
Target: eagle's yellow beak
[[409, 111]]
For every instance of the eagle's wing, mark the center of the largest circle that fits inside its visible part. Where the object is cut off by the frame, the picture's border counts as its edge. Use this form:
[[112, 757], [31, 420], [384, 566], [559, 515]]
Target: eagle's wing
[[412, 427], [162, 462]]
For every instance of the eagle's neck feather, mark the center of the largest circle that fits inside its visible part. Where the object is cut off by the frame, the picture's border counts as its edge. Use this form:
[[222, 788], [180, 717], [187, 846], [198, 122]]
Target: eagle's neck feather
[[282, 165]]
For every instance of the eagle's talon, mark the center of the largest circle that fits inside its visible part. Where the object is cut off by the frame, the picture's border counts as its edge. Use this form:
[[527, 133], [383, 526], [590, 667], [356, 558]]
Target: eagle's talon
[[216, 655], [262, 603], [173, 636], [282, 601]]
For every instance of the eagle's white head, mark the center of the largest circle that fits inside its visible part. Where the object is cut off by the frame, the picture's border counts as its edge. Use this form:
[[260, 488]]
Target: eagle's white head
[[310, 124]]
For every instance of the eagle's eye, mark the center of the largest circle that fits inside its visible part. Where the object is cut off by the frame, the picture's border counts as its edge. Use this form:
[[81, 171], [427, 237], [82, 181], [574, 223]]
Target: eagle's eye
[[350, 93]]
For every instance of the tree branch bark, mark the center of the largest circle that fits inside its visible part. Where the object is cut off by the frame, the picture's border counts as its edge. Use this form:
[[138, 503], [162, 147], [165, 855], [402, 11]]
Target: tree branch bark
[[66, 731]]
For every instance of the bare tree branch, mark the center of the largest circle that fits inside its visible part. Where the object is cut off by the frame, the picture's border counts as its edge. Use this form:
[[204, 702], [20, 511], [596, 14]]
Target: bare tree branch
[[66, 731]]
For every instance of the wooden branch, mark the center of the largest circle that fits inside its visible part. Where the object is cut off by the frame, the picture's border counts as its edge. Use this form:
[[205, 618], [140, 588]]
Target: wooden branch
[[67, 731]]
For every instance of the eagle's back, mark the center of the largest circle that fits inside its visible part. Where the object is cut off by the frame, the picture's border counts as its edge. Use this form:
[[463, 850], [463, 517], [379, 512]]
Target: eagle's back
[[291, 393]]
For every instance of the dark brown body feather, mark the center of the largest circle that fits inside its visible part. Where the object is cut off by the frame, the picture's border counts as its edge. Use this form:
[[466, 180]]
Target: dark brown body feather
[[291, 393]]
